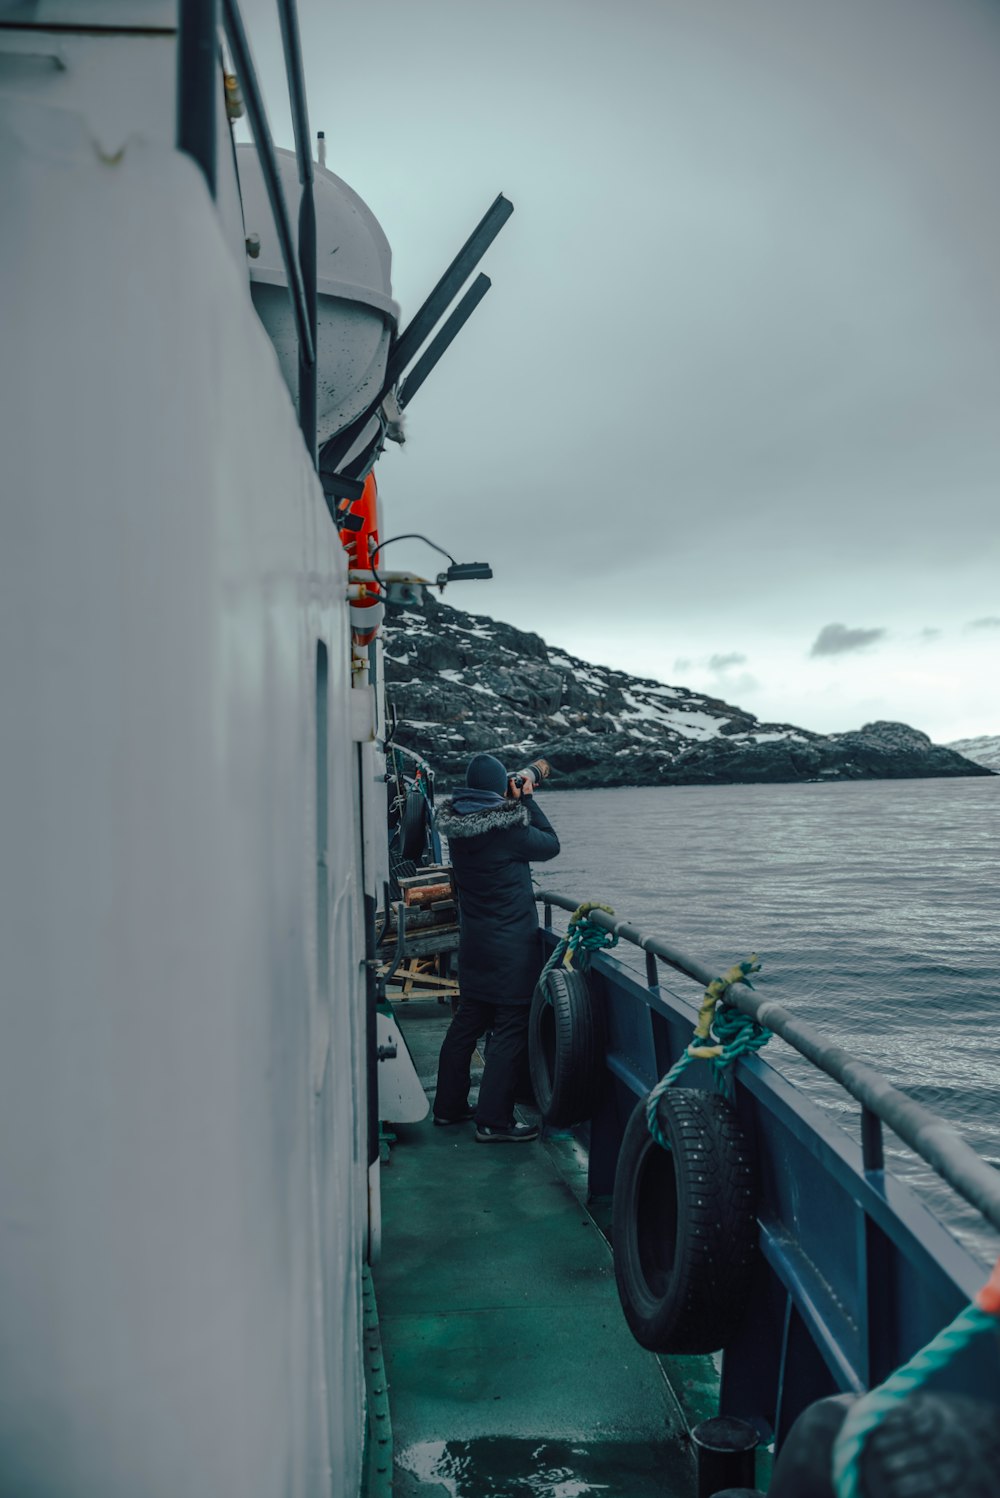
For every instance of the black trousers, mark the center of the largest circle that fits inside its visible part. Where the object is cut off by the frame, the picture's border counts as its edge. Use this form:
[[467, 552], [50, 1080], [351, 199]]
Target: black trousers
[[505, 1058]]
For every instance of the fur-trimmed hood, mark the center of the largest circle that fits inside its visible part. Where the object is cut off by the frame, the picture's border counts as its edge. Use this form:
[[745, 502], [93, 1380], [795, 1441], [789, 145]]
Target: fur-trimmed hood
[[503, 817]]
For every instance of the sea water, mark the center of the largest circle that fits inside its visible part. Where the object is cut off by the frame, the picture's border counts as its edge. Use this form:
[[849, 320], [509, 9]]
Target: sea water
[[873, 905]]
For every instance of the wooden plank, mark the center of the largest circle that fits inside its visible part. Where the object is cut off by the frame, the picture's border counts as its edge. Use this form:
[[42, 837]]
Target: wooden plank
[[436, 939], [425, 980], [434, 873], [420, 920], [420, 972]]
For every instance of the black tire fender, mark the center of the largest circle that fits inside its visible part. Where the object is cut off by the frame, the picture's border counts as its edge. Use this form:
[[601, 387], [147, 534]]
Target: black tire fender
[[566, 1045], [932, 1443], [684, 1223], [413, 829]]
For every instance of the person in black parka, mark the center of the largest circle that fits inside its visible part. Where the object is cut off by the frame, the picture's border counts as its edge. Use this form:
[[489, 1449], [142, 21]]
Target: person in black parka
[[494, 831]]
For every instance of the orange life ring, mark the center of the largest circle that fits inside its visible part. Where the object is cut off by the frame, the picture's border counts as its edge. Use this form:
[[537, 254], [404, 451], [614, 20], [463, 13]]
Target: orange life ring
[[360, 546]]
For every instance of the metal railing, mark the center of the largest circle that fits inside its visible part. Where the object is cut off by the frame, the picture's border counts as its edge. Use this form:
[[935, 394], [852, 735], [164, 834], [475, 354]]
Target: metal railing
[[937, 1144], [854, 1272]]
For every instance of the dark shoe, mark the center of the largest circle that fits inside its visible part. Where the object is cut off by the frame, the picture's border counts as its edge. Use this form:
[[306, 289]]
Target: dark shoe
[[446, 1123], [516, 1133]]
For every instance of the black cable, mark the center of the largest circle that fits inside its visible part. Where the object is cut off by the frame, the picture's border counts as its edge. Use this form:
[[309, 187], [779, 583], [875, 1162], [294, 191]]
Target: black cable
[[416, 536], [408, 536]]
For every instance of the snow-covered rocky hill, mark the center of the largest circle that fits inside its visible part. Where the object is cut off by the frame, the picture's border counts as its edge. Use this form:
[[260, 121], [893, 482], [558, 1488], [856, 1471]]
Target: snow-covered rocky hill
[[984, 750], [462, 683]]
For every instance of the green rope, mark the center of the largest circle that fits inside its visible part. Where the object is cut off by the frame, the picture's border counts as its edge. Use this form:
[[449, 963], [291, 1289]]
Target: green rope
[[583, 938], [730, 1032], [739, 1035], [872, 1409], [558, 954]]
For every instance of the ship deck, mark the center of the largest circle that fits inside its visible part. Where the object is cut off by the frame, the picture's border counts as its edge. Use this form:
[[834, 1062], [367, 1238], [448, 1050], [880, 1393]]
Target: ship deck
[[510, 1367]]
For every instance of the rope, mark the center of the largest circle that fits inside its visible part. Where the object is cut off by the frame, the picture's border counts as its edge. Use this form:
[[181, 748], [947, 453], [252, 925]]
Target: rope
[[583, 938], [722, 1033], [981, 1316]]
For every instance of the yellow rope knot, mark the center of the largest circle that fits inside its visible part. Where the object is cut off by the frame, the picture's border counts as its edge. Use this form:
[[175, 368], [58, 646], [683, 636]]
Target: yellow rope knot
[[715, 991], [580, 914], [585, 908]]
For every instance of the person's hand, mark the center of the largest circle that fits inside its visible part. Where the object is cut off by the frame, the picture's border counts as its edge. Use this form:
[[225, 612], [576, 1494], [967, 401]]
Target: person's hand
[[528, 789]]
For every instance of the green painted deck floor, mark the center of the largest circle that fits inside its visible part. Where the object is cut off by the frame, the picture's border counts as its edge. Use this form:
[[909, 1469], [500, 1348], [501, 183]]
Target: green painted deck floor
[[511, 1370]]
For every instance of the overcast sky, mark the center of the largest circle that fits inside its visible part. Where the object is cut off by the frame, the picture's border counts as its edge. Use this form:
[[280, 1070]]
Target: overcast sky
[[730, 415]]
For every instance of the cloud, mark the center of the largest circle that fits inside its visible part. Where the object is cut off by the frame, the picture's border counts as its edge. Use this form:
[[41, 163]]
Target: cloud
[[837, 639], [741, 686], [990, 622], [717, 673], [930, 634]]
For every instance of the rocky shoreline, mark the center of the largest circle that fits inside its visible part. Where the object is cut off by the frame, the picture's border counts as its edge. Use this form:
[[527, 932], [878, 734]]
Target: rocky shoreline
[[461, 683]]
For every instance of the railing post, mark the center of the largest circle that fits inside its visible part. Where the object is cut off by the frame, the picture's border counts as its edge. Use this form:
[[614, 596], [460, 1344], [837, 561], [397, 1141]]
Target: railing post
[[872, 1151], [197, 83], [652, 971]]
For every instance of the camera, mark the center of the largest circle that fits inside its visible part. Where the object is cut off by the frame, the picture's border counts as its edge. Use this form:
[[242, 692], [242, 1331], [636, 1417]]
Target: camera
[[536, 772]]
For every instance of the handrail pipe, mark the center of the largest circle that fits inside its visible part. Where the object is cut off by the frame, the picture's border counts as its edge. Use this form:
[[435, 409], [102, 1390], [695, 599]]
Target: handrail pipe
[[935, 1141]]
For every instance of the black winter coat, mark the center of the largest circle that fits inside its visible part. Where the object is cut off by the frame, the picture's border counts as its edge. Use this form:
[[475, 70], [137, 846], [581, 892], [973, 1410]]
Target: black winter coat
[[499, 951]]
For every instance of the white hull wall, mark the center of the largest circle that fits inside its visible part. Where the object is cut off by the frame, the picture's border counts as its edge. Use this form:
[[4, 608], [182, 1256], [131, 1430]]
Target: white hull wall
[[183, 1171]]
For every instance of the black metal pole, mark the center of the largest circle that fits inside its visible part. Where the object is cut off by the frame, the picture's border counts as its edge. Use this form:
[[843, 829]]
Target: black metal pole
[[459, 270], [308, 365], [417, 331], [197, 83], [257, 115], [443, 340], [292, 45]]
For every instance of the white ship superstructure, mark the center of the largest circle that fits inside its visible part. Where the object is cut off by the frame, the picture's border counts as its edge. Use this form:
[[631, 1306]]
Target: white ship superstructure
[[190, 781]]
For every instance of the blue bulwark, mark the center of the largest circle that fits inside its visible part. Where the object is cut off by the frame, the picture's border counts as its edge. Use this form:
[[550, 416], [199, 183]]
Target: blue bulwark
[[855, 1274]]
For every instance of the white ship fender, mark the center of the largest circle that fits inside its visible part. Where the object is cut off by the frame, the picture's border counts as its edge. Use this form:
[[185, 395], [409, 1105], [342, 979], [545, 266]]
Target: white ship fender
[[401, 1098]]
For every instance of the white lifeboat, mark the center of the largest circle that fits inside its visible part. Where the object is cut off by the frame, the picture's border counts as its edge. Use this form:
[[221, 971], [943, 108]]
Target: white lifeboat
[[356, 315]]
